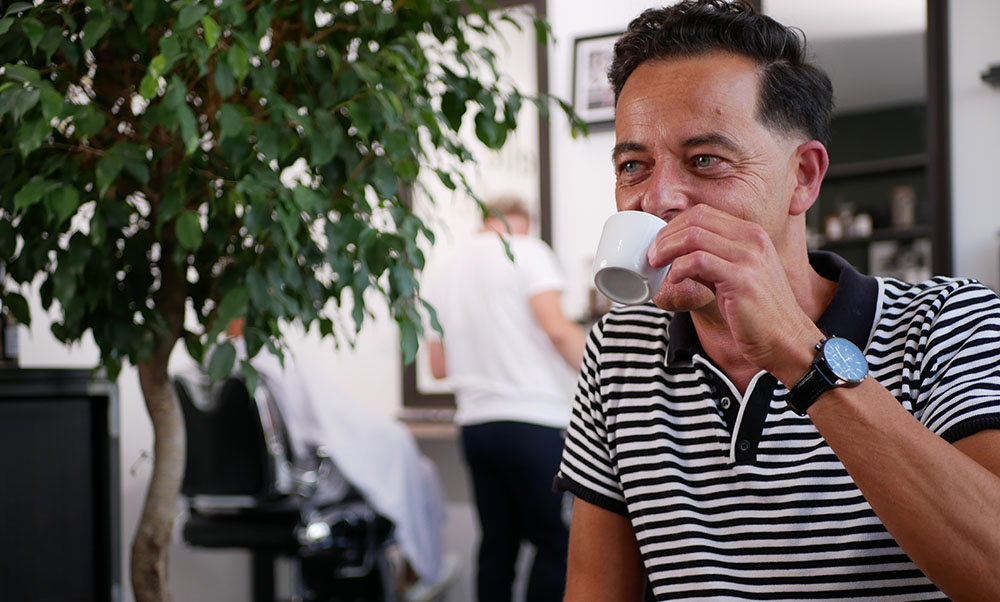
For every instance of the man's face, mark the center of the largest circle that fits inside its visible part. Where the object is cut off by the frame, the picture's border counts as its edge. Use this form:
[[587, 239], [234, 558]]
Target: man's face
[[687, 133]]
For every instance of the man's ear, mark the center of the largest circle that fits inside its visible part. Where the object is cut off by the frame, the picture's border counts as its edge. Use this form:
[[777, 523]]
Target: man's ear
[[810, 163]]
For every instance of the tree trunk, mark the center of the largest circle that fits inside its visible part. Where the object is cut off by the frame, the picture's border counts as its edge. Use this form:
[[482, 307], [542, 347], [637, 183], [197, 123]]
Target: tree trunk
[[151, 546]]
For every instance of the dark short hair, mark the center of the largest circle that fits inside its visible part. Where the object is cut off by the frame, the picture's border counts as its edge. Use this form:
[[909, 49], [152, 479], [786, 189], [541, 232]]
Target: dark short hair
[[795, 96]]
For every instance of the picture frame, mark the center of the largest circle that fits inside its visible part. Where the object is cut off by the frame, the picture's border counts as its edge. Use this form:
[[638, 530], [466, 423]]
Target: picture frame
[[593, 97]]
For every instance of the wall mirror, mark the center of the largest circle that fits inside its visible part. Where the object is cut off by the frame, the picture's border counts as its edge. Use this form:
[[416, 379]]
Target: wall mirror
[[521, 167], [882, 206], [888, 63]]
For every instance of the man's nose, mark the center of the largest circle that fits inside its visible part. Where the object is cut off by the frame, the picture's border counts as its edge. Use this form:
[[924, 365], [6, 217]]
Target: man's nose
[[666, 192]]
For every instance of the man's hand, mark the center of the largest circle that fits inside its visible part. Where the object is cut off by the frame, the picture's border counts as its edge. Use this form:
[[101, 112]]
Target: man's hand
[[738, 262]]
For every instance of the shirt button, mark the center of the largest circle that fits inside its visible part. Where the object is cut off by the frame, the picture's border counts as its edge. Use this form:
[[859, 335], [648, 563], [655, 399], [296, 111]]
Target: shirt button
[[743, 445], [726, 403]]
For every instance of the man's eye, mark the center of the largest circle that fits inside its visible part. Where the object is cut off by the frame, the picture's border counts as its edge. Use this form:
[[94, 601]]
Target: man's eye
[[703, 161], [630, 166]]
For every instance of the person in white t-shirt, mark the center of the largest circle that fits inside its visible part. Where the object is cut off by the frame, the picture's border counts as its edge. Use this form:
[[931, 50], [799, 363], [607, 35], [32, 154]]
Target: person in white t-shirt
[[507, 350]]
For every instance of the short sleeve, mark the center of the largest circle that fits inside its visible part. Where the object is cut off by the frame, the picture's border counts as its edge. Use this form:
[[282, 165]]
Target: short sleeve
[[587, 469], [960, 367], [537, 264]]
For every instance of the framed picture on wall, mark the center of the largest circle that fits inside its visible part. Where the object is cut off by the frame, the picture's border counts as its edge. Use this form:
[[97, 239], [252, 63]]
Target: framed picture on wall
[[593, 98]]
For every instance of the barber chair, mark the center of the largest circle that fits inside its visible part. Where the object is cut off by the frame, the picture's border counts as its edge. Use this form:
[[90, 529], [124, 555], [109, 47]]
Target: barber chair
[[244, 489]]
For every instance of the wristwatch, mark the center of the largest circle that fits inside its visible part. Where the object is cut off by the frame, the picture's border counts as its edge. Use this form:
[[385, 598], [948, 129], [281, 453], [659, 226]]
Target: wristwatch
[[838, 363]]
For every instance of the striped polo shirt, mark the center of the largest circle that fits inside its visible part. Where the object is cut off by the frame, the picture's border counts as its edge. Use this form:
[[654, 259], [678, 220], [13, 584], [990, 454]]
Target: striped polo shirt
[[735, 496]]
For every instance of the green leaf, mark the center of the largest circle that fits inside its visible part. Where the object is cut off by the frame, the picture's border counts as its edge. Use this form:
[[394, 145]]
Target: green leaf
[[326, 139], [157, 66], [267, 140], [144, 11], [408, 341], [453, 107], [97, 25], [249, 375], [307, 199], [225, 83], [232, 121], [446, 179], [50, 41], [52, 103], [189, 129], [63, 202], [238, 61], [31, 135], [190, 15], [489, 132], [385, 180], [542, 30], [18, 7], [18, 307], [108, 169], [5, 24], [220, 365], [29, 194], [70, 50], [88, 120], [188, 230], [360, 119], [211, 29], [233, 305], [195, 349], [182, 114], [23, 73], [170, 48], [402, 280], [149, 87], [8, 97], [134, 161], [34, 31], [24, 101], [432, 315], [173, 202]]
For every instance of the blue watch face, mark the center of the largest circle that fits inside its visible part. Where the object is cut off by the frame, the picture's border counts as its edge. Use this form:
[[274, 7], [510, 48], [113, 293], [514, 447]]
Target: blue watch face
[[845, 360]]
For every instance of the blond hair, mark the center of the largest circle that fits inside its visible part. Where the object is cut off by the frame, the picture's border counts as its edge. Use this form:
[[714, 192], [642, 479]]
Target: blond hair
[[507, 205]]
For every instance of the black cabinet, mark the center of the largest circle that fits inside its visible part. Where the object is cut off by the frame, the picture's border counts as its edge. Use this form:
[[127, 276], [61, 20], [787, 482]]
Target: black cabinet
[[59, 487], [874, 208]]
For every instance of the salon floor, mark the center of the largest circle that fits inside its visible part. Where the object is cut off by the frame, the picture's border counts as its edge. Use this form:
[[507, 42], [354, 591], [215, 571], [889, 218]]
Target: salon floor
[[461, 530]]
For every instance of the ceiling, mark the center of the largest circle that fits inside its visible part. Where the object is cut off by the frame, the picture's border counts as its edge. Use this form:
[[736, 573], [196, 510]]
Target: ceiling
[[872, 49]]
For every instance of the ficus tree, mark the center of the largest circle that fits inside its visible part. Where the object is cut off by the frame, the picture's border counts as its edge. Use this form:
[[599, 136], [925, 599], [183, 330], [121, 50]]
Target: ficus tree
[[167, 166]]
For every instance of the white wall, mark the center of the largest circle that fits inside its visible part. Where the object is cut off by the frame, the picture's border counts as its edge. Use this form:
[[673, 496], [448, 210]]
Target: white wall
[[583, 194], [974, 40]]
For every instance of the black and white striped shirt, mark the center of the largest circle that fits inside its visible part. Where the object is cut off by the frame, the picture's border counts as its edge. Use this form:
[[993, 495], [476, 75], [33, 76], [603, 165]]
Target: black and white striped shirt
[[736, 496]]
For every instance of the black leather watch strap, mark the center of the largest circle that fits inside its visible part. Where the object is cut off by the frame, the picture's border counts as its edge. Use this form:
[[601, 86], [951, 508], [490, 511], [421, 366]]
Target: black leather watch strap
[[807, 390]]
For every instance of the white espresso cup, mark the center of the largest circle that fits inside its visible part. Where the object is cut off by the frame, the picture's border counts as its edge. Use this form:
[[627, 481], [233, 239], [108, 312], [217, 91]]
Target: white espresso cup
[[621, 269]]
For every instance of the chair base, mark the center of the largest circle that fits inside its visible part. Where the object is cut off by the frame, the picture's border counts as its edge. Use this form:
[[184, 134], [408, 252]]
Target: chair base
[[354, 569]]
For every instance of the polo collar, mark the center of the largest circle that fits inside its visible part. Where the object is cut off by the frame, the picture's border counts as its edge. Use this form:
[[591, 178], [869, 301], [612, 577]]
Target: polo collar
[[850, 314]]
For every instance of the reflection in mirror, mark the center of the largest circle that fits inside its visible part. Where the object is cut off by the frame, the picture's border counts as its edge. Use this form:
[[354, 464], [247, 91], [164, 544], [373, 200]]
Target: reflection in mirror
[[874, 208], [454, 216]]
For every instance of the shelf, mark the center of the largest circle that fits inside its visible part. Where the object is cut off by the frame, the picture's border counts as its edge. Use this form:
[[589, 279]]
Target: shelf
[[878, 235], [877, 167]]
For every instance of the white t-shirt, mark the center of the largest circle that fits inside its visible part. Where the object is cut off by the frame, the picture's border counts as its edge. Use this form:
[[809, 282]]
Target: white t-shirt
[[500, 362]]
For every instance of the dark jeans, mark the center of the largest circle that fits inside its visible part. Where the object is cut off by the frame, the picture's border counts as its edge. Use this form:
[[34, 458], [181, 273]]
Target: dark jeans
[[512, 466]]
